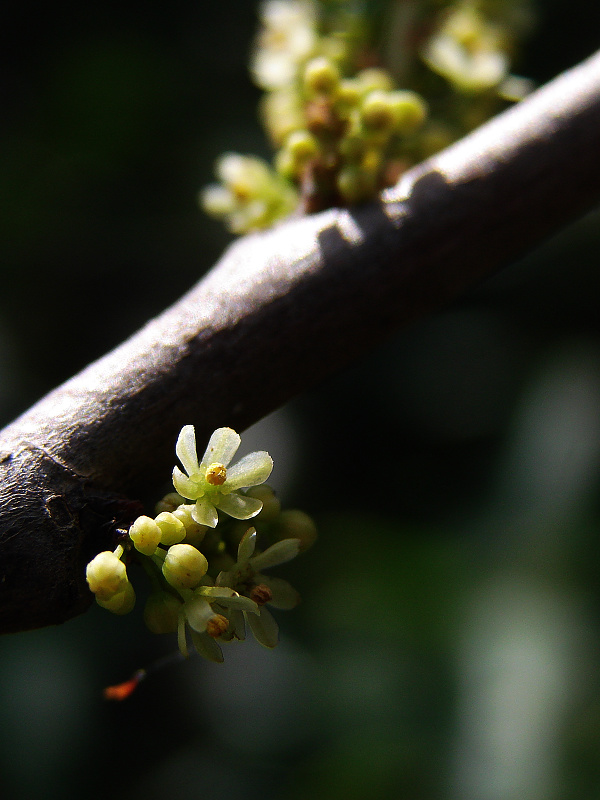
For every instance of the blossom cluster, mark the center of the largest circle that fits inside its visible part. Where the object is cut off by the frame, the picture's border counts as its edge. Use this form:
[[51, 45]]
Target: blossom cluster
[[345, 117], [204, 561]]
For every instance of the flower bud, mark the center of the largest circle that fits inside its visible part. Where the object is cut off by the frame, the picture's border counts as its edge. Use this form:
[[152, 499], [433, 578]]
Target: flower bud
[[172, 530], [120, 603], [321, 76], [161, 612], [409, 110], [378, 112], [106, 575], [184, 566], [375, 78], [350, 184], [271, 507], [285, 165], [302, 146], [145, 535], [349, 93], [169, 502], [194, 532], [295, 524]]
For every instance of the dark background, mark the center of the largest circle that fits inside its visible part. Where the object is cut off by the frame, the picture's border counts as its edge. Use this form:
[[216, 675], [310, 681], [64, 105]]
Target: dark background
[[447, 645]]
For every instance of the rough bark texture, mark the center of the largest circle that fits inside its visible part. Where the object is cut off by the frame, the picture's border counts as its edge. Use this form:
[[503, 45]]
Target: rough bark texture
[[279, 312]]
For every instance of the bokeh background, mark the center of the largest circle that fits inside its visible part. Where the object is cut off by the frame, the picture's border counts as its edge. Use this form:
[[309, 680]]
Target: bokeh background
[[448, 643]]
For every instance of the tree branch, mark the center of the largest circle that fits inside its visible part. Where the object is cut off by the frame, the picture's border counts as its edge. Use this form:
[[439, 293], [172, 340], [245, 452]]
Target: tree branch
[[280, 311]]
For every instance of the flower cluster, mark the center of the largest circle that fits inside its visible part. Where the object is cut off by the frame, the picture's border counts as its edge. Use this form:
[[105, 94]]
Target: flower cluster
[[201, 557], [344, 123], [251, 195]]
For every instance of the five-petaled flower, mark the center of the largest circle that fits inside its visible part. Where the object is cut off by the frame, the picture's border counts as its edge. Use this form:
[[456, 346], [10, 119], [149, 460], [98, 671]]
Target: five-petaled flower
[[246, 577], [212, 483]]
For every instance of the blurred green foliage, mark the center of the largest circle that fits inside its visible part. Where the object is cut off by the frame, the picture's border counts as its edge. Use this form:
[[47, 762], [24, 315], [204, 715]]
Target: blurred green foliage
[[447, 645]]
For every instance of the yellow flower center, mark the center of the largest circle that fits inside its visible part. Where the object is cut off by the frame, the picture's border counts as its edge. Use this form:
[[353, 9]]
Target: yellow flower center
[[216, 475]]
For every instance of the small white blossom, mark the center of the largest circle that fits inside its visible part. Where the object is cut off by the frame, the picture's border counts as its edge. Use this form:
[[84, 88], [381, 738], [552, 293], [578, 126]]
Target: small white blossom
[[245, 577], [251, 194], [287, 38], [212, 483], [467, 51], [208, 612]]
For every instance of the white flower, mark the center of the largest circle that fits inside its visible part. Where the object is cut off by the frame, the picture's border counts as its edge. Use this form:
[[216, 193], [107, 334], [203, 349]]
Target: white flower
[[251, 194], [212, 483], [208, 613], [245, 577], [287, 38], [467, 51]]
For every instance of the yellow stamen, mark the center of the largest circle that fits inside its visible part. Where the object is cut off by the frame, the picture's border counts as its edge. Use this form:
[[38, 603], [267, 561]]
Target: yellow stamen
[[216, 475]]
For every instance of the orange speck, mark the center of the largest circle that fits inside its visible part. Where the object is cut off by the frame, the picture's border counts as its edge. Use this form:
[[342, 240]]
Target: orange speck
[[123, 690]]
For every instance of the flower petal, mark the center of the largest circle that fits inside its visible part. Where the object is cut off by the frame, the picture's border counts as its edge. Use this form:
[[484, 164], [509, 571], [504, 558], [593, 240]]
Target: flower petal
[[239, 602], [186, 451], [204, 513], [238, 506], [228, 598], [185, 487], [246, 546], [284, 596], [207, 647], [278, 553], [264, 628], [222, 447], [251, 470], [198, 611], [237, 624], [215, 592]]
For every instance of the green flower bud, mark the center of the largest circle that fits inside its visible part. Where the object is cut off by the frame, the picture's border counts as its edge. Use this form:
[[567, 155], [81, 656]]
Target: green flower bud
[[296, 524], [161, 612], [285, 165], [106, 575], [194, 532], [172, 530], [378, 112], [321, 77], [374, 78], [409, 110], [352, 145], [271, 506], [145, 535], [184, 566], [169, 502], [302, 146], [349, 93]]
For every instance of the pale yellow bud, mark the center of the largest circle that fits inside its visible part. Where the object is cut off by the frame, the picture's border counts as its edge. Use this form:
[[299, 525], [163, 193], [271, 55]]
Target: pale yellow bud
[[321, 76], [184, 566], [145, 535], [172, 530], [106, 575]]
